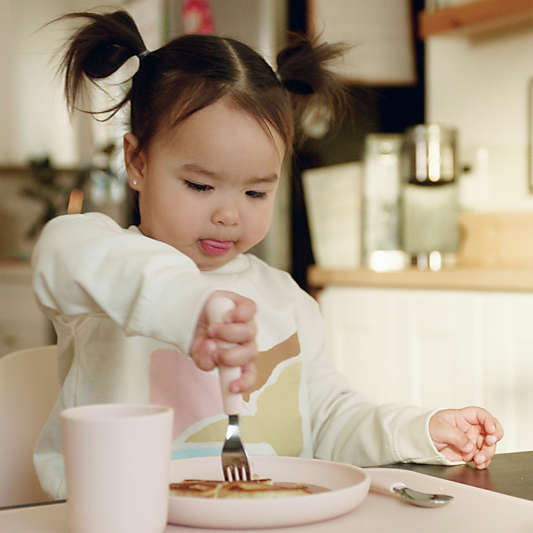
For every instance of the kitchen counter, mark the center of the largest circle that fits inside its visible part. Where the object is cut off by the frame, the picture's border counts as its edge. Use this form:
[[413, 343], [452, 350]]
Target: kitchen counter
[[496, 255], [15, 270], [22, 323], [508, 473], [456, 278]]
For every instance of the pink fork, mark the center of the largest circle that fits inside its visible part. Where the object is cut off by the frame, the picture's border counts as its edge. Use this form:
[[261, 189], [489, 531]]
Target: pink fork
[[235, 465]]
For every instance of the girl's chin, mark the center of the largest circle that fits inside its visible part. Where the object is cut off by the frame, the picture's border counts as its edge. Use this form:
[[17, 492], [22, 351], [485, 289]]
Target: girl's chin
[[211, 263], [211, 266]]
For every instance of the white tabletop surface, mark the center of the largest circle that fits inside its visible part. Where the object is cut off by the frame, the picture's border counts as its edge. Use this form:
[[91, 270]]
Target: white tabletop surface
[[473, 510]]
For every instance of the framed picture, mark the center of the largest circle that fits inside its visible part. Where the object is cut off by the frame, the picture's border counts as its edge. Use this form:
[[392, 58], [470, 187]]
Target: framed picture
[[530, 134]]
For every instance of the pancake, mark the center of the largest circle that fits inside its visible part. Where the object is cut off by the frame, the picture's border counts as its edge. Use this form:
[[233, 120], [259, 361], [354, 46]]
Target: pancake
[[257, 488], [196, 488], [252, 489]]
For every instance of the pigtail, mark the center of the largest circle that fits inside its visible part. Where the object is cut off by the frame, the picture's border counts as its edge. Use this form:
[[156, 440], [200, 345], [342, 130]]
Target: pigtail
[[97, 50], [302, 68]]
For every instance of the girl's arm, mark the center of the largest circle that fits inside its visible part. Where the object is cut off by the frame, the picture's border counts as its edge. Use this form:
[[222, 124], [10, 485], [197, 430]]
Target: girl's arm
[[88, 264], [346, 426]]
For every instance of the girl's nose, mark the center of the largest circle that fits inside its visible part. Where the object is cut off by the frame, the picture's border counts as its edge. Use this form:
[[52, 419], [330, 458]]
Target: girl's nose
[[226, 215]]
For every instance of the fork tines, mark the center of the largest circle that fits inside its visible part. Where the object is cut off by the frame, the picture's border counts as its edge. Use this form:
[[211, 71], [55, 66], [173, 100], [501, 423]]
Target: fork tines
[[235, 465], [237, 473]]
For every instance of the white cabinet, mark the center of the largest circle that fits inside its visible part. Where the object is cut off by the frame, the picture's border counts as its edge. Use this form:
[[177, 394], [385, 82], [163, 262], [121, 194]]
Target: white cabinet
[[22, 323], [438, 349]]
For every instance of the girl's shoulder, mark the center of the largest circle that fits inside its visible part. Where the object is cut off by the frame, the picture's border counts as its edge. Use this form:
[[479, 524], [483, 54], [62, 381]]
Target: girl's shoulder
[[269, 272], [279, 286], [74, 230], [82, 219], [274, 278]]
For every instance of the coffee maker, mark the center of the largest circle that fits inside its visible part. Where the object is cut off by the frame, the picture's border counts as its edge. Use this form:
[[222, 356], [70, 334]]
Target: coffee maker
[[430, 195]]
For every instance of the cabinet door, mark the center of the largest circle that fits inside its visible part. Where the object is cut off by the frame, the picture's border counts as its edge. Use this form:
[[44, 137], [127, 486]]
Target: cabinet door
[[367, 331], [437, 349], [508, 366], [418, 347], [443, 349]]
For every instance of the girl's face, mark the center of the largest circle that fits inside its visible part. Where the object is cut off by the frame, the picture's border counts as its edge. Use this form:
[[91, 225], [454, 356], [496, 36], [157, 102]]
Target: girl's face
[[207, 187]]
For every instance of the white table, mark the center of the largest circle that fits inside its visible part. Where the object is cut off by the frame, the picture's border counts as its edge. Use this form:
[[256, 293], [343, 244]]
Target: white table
[[473, 510]]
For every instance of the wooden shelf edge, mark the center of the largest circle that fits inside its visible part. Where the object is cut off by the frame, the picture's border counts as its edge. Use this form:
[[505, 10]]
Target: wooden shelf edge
[[27, 170], [473, 16], [470, 279]]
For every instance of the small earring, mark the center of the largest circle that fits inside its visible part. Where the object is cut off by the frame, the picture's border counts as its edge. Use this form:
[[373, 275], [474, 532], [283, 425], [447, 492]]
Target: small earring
[[134, 182]]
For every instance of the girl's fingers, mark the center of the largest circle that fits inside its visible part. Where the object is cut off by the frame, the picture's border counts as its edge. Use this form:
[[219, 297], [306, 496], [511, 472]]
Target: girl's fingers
[[452, 455], [239, 355], [204, 354], [491, 439], [231, 342], [483, 458], [243, 356], [443, 432], [480, 416], [247, 379], [244, 310], [235, 333], [499, 430]]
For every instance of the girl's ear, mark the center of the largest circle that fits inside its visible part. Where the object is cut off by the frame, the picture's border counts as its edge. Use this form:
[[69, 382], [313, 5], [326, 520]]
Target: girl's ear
[[135, 162]]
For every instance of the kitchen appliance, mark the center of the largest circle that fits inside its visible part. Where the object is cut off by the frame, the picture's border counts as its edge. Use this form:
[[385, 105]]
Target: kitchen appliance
[[430, 195], [381, 205], [333, 202]]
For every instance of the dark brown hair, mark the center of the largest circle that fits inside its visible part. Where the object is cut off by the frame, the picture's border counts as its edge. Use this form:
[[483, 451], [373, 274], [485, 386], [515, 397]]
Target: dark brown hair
[[193, 71]]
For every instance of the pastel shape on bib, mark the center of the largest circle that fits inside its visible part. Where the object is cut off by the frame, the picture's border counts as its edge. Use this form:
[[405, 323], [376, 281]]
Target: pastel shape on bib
[[277, 420], [177, 382]]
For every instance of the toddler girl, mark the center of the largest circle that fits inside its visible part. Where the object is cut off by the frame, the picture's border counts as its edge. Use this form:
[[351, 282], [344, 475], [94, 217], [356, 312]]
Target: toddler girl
[[210, 126]]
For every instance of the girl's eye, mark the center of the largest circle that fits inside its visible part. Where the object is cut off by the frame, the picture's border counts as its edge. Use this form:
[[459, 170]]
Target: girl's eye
[[198, 186], [256, 194]]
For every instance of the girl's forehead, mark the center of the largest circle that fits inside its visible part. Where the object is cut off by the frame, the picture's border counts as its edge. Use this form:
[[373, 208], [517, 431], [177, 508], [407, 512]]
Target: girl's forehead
[[221, 127]]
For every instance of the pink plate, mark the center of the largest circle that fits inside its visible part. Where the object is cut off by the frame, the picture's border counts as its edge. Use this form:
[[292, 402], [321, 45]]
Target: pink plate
[[348, 487]]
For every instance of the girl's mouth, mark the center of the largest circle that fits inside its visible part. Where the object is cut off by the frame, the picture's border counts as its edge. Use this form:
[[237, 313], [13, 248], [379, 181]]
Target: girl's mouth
[[213, 247]]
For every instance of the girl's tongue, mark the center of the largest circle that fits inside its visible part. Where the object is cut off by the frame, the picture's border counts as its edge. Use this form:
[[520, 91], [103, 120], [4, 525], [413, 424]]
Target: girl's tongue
[[213, 247]]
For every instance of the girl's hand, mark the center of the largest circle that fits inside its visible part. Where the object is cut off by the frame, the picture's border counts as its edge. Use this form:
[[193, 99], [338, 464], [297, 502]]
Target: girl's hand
[[468, 434], [238, 328]]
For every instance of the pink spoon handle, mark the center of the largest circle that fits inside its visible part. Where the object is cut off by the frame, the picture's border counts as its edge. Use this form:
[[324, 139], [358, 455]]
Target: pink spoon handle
[[383, 481], [232, 402]]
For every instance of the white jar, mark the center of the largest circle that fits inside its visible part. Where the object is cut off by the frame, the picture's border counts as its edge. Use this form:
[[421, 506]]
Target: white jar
[[381, 206]]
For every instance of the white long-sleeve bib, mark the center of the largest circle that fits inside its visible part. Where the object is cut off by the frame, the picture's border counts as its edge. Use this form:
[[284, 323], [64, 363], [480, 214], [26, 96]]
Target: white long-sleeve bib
[[125, 309]]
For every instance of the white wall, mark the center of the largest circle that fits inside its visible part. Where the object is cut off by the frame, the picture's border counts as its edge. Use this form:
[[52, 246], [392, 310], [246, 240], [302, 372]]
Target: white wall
[[479, 85], [33, 119], [31, 98]]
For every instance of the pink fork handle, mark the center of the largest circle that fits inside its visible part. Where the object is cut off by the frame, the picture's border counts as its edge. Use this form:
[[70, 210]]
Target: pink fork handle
[[231, 401], [217, 308]]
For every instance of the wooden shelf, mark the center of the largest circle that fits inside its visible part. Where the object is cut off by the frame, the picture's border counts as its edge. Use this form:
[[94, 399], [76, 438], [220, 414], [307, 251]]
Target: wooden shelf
[[475, 17], [461, 278], [27, 170]]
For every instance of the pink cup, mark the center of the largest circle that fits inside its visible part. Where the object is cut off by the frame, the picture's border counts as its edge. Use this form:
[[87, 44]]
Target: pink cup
[[117, 460]]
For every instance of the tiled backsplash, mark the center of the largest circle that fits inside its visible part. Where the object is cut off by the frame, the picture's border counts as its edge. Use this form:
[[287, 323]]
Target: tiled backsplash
[[496, 240], [479, 85]]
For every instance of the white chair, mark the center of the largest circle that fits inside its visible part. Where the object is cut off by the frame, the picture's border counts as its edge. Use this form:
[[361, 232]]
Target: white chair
[[28, 389]]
